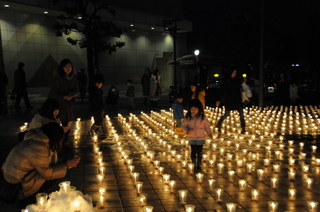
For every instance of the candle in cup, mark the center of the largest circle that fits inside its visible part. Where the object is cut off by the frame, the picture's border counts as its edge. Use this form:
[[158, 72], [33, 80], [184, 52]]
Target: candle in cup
[[131, 169], [172, 185], [231, 207], [314, 149], [249, 168], [191, 168], [135, 177], [291, 162], [184, 163], [76, 205], [220, 168], [292, 175], [242, 185], [312, 206], [143, 199], [199, 177], [219, 193], [211, 163], [102, 190], [239, 163], [273, 182], [101, 203], [183, 196], [166, 178], [64, 186], [266, 162], [305, 169], [254, 194], [292, 194], [212, 183], [231, 175], [100, 178], [161, 169], [42, 199], [139, 186], [276, 168], [272, 206], [309, 182], [147, 209], [190, 208]]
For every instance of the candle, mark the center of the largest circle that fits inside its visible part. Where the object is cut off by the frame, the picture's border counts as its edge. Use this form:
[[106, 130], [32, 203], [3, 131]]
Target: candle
[[242, 185], [42, 199], [161, 169], [260, 174], [249, 168], [212, 184], [273, 182], [305, 169], [64, 186], [276, 168], [76, 205], [166, 178], [291, 162], [190, 208], [292, 194], [135, 177], [231, 207], [131, 169], [147, 209], [220, 168], [231, 175], [102, 190], [219, 193], [100, 178], [272, 206], [292, 175], [183, 196], [239, 163], [309, 182], [314, 149], [211, 163], [191, 168], [266, 162], [199, 177], [172, 185], [184, 163], [254, 194], [312, 206], [139, 186], [101, 202], [143, 199]]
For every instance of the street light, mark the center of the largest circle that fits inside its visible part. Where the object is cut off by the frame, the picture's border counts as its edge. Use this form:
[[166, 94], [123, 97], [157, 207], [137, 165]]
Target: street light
[[196, 52]]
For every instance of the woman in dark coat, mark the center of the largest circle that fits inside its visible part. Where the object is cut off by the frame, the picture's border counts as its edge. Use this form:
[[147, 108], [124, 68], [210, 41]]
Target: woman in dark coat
[[230, 91], [64, 89]]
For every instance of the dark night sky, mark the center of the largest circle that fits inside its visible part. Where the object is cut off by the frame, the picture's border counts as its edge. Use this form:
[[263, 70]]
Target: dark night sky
[[230, 30]]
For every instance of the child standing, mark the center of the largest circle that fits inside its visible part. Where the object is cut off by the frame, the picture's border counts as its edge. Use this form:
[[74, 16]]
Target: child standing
[[130, 95], [96, 105], [177, 109], [196, 126]]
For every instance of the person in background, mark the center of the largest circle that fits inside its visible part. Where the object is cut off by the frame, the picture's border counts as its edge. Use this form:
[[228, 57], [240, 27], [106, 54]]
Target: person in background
[[82, 83], [283, 90], [196, 126], [96, 105], [31, 164], [145, 82], [3, 92], [177, 109], [64, 89], [112, 97], [20, 87], [130, 95], [172, 95], [248, 93], [294, 93], [198, 93], [230, 91], [155, 89]]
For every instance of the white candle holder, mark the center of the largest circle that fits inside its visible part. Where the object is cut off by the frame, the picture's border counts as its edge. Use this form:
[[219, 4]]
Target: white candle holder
[[312, 206], [100, 179], [231, 175], [161, 169], [255, 195], [309, 182], [272, 205], [143, 199], [184, 164], [212, 184], [101, 202], [292, 194], [191, 168], [274, 183], [42, 200], [166, 178], [135, 177], [231, 207], [292, 175], [139, 186], [172, 186], [199, 177], [131, 170], [242, 185], [102, 190], [249, 168], [190, 208], [276, 168], [64, 186], [147, 209], [76, 205], [219, 194], [220, 167], [260, 174], [183, 196]]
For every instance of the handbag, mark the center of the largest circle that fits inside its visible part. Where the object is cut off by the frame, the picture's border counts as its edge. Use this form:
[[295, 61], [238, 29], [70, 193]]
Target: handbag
[[8, 191]]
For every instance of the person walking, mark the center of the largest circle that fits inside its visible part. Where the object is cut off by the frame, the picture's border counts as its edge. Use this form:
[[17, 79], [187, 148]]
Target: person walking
[[145, 82], [196, 126], [230, 91], [96, 105], [155, 89], [177, 109], [82, 83], [20, 87], [64, 89]]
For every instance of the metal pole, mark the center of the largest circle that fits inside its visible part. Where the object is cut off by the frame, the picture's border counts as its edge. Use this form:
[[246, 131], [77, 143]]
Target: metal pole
[[261, 87]]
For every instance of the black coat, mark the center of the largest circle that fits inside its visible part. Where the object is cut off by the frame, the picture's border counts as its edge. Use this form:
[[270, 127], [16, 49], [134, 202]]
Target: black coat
[[20, 83], [95, 99], [230, 93]]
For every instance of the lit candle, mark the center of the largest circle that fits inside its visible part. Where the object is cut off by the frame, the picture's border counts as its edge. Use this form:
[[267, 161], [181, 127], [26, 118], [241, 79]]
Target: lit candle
[[314, 149], [147, 209], [272, 206], [102, 190], [190, 208], [292, 175], [212, 184], [276, 168], [131, 169], [64, 186], [254, 194], [166, 178], [220, 168], [291, 162], [143, 199], [231, 175], [184, 163], [239, 163], [76, 205], [274, 183], [211, 163], [312, 206], [260, 174], [100, 178], [139, 186], [249, 168], [101, 203], [309, 182], [161, 169], [242, 185], [231, 207], [219, 193], [266, 162], [199, 177], [292, 194], [172, 185], [305, 169], [183, 196], [191, 168], [42, 199], [135, 177]]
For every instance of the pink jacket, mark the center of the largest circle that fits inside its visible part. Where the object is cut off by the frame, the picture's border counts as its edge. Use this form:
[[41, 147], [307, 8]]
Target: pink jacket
[[201, 128]]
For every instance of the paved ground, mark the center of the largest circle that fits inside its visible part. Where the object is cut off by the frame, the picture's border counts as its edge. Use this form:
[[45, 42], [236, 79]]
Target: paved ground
[[121, 193]]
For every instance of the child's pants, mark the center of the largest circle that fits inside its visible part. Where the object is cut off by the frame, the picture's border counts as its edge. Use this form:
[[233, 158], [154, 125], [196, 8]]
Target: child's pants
[[196, 154]]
